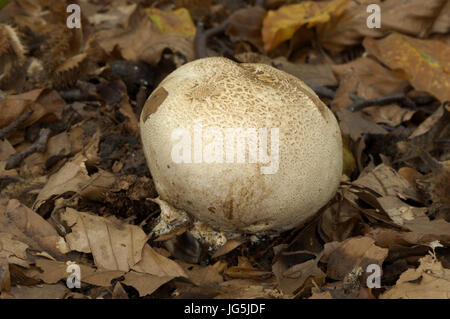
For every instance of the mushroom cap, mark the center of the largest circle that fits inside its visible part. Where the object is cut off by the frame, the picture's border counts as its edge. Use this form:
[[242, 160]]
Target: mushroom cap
[[238, 197]]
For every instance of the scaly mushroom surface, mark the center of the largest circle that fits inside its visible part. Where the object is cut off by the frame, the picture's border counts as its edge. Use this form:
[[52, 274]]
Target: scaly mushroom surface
[[241, 147]]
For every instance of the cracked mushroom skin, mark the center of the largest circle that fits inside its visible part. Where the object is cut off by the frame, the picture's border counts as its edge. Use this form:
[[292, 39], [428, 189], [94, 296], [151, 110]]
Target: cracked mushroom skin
[[225, 193]]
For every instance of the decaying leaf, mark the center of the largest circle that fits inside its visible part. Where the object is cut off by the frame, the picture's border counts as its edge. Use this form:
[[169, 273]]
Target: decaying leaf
[[352, 253], [385, 181], [281, 25], [424, 63], [413, 17], [53, 271], [176, 21], [13, 251], [114, 245], [144, 283], [429, 281], [366, 78], [245, 25], [29, 228]]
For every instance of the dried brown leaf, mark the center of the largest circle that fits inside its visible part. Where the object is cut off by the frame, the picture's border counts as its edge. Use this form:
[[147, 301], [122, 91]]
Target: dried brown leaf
[[114, 246], [429, 281], [29, 228]]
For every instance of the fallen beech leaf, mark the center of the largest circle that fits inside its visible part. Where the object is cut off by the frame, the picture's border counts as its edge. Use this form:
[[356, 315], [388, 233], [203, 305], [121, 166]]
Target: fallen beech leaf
[[296, 278], [72, 177], [392, 115], [394, 239], [54, 271], [114, 246], [442, 22], [355, 126], [424, 63], [351, 253], [153, 263], [245, 25], [201, 275], [413, 17], [13, 250], [247, 289], [366, 78], [280, 25], [317, 74], [141, 40], [145, 284], [46, 104], [57, 291], [385, 181], [413, 218], [429, 123], [436, 185], [30, 228], [176, 21], [428, 281]]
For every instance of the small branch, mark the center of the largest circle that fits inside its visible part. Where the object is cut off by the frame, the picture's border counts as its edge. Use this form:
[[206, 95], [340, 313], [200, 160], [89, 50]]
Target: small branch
[[202, 36], [14, 124], [323, 91], [39, 146], [361, 103]]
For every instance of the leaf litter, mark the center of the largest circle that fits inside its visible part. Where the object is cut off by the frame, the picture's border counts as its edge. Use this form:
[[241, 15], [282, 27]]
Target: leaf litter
[[83, 194]]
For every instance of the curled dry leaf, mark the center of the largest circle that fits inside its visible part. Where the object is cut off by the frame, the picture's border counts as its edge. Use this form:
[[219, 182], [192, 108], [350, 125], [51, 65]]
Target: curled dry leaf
[[355, 126], [29, 228], [298, 278], [145, 284], [352, 253], [177, 21], [245, 25], [114, 246], [413, 218], [424, 63], [46, 104], [57, 291], [145, 40], [280, 25], [201, 275], [413, 17], [366, 78], [385, 181], [13, 251], [53, 271], [428, 281], [72, 177], [156, 264]]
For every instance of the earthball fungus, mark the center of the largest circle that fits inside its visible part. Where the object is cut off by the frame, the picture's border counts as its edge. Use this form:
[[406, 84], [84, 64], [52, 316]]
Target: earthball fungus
[[242, 147]]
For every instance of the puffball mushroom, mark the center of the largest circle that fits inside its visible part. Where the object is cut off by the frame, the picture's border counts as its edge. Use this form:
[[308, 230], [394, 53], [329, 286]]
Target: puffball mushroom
[[243, 148]]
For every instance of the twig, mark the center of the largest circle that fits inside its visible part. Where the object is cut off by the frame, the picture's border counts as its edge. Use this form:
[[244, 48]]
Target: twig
[[14, 124], [323, 91], [39, 146], [201, 37], [361, 103]]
